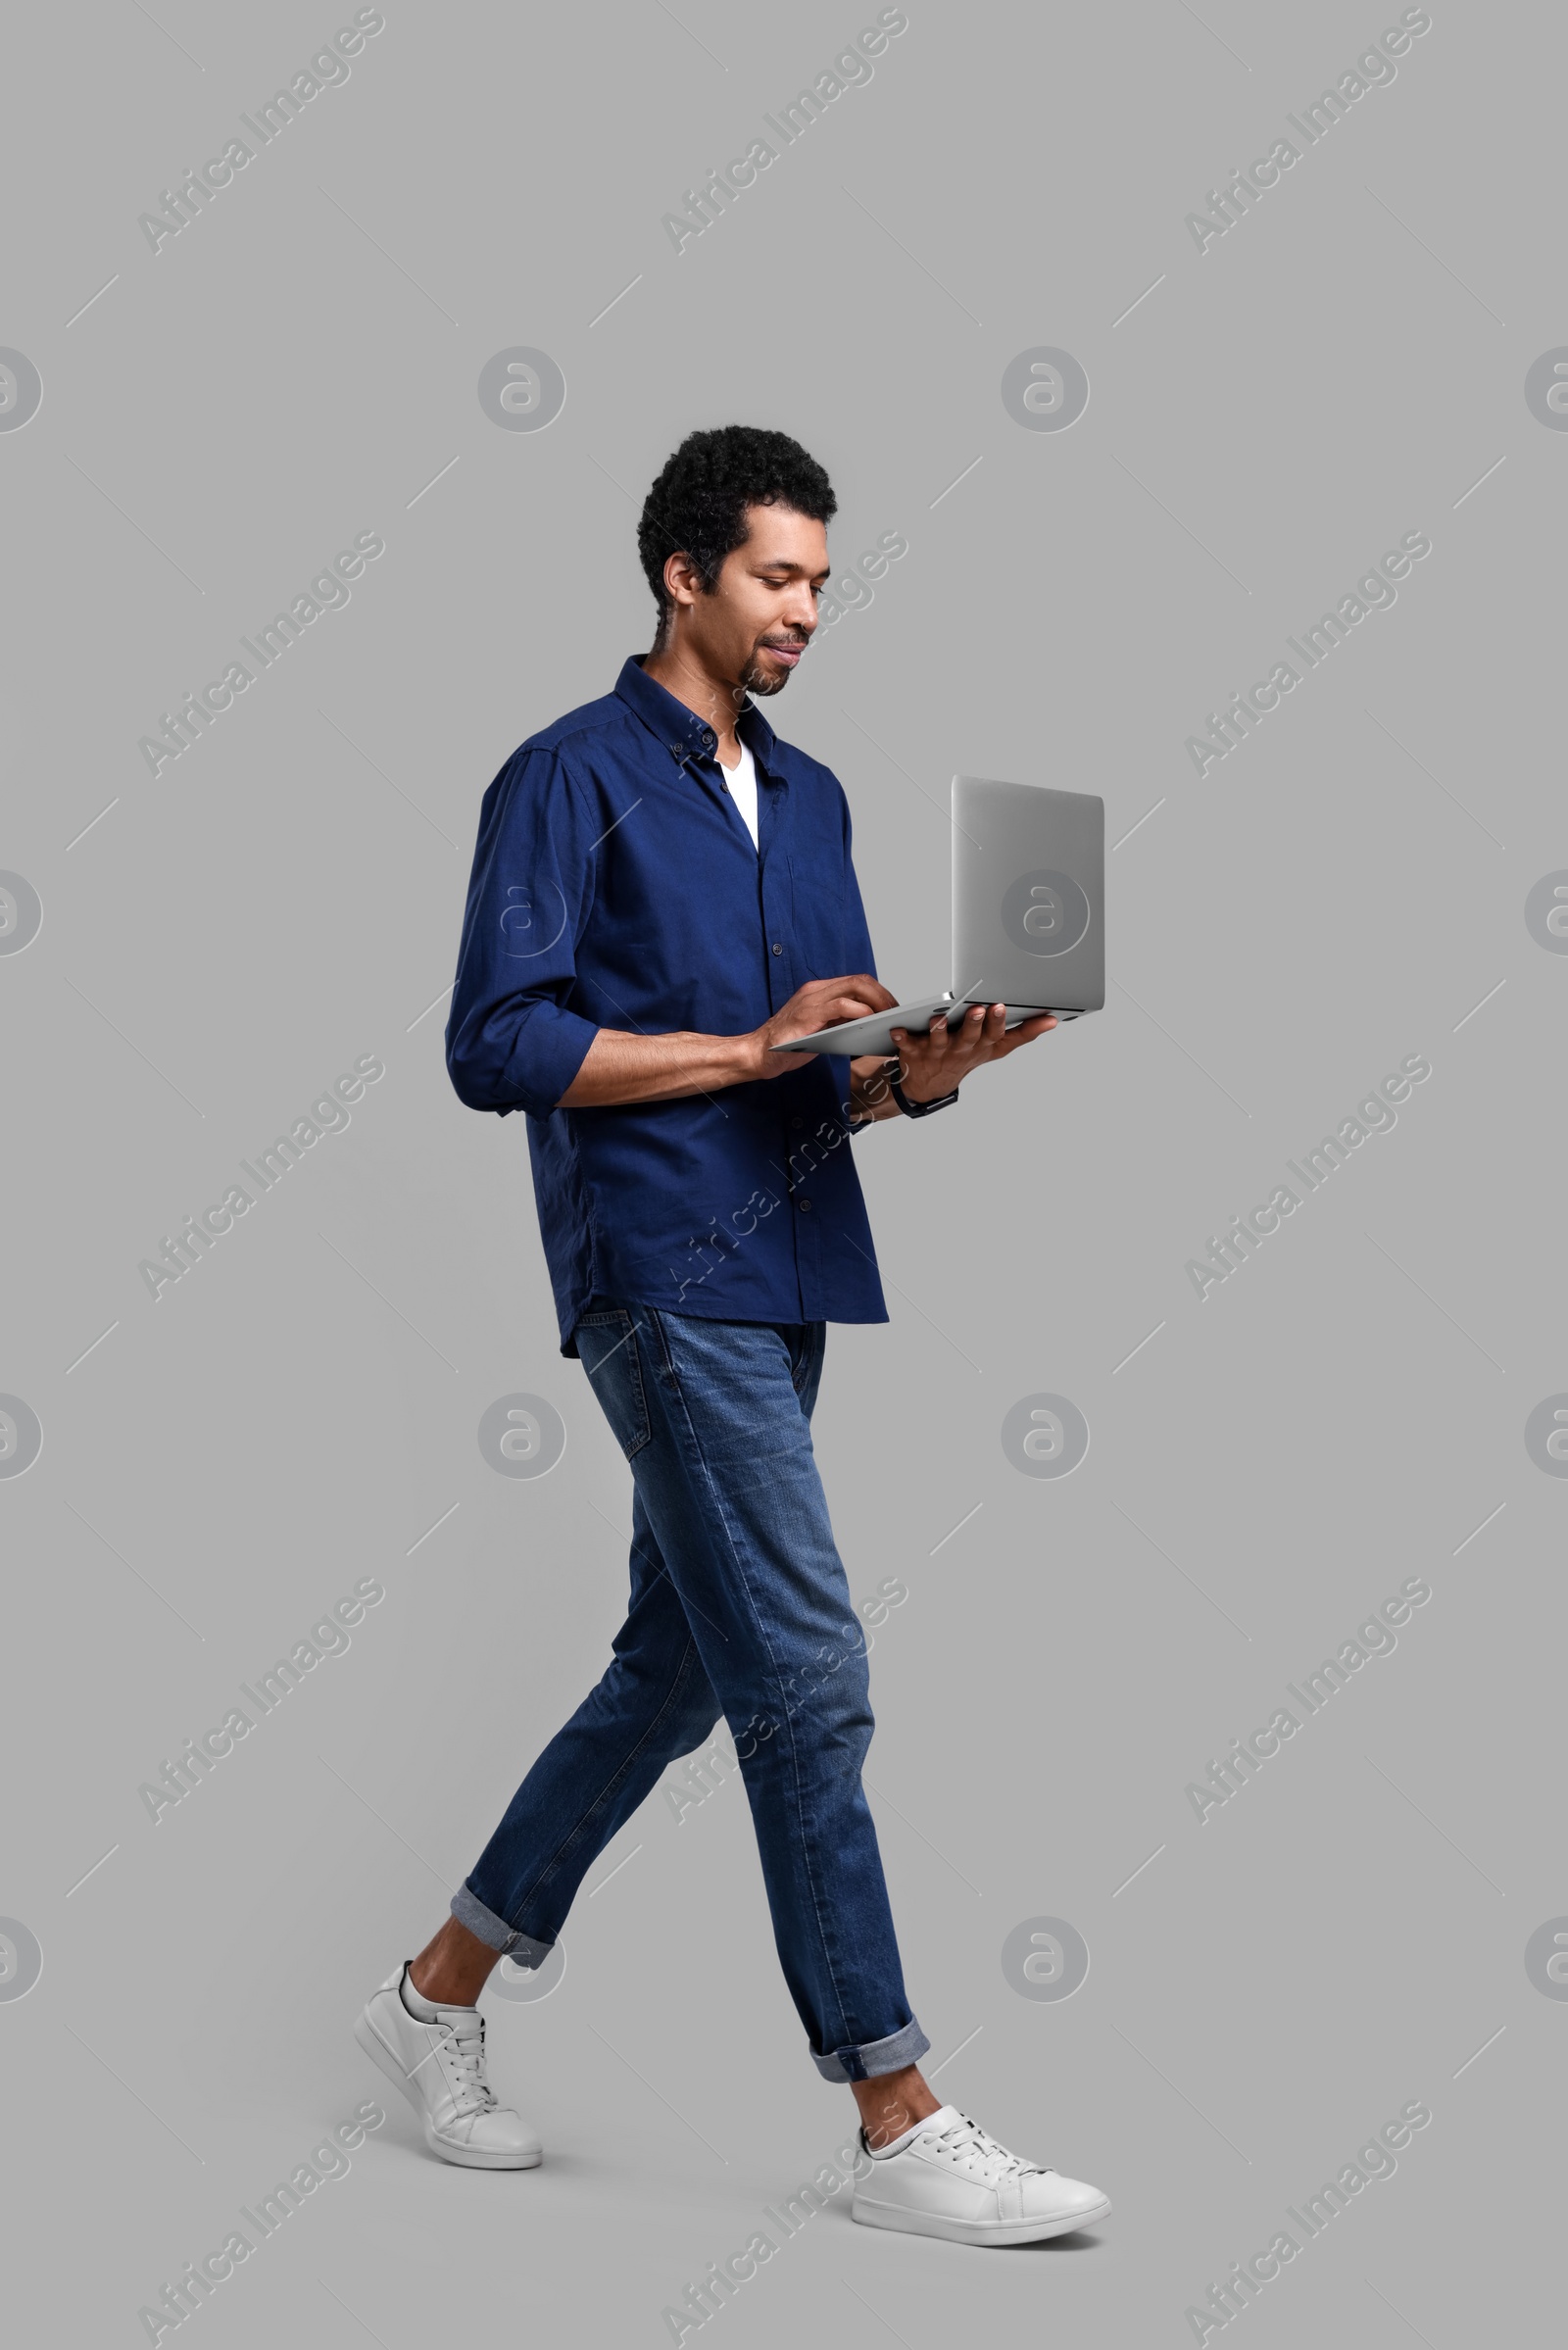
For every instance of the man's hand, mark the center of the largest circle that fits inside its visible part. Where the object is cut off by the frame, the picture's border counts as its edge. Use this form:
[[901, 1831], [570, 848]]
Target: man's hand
[[931, 1066], [820, 1003]]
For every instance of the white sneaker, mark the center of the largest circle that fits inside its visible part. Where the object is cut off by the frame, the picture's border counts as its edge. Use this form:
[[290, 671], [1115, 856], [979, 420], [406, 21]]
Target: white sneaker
[[440, 2069], [948, 2179]]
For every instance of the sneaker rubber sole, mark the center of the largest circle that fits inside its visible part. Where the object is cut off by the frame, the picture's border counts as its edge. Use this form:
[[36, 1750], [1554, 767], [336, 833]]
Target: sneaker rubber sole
[[971, 2231]]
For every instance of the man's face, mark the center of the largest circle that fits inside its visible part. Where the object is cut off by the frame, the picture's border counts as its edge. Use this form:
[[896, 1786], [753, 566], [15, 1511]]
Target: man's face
[[762, 613]]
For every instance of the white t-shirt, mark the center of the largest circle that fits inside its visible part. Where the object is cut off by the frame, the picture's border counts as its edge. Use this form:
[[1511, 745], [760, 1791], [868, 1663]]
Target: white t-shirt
[[742, 782]]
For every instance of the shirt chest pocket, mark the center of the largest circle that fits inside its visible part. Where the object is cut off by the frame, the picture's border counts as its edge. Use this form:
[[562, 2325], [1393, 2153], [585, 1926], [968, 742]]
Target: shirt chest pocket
[[804, 905]]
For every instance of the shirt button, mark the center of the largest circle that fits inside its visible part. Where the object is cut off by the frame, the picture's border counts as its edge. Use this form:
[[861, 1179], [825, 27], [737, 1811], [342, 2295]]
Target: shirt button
[[804, 1207], [777, 948], [796, 1123]]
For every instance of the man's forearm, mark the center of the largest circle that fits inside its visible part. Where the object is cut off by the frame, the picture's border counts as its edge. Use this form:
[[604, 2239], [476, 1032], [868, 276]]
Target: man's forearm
[[622, 1067], [618, 1066]]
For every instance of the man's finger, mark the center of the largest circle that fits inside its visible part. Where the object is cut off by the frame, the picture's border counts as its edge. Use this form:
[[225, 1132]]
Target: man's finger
[[829, 1011], [1027, 1031], [825, 1002], [859, 983]]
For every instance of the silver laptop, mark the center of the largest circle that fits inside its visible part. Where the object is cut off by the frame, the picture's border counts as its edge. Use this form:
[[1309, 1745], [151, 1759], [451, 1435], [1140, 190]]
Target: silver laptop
[[1028, 915]]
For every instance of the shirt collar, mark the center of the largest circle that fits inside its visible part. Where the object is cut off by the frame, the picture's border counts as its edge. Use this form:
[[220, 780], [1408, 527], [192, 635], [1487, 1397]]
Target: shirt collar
[[682, 732]]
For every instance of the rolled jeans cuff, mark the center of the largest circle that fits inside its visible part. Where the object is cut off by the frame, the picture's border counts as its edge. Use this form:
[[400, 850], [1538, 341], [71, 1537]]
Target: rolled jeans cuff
[[871, 2057], [520, 1948]]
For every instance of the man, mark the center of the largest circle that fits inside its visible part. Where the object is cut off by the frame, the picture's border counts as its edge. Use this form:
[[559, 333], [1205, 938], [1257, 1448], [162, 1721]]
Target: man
[[662, 891]]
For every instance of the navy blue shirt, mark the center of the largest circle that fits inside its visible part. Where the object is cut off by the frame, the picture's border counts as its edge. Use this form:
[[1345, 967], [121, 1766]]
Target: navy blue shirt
[[616, 885]]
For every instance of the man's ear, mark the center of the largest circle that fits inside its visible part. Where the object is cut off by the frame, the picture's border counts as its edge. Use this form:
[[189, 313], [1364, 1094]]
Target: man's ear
[[681, 582]]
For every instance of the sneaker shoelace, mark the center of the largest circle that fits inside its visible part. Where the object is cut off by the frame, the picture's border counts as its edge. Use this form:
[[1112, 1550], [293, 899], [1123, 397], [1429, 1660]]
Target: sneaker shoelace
[[966, 2143], [464, 2066]]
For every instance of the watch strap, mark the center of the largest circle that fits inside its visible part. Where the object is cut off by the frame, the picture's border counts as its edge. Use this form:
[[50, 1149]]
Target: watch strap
[[919, 1110]]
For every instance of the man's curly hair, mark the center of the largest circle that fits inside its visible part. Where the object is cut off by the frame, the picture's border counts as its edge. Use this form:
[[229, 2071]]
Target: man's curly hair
[[697, 506]]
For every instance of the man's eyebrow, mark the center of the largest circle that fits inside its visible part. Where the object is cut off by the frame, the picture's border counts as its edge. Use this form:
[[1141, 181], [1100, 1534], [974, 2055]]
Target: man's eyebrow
[[782, 562]]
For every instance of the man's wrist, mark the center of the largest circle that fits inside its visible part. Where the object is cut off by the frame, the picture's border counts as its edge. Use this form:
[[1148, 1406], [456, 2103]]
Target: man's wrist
[[911, 1105], [741, 1058]]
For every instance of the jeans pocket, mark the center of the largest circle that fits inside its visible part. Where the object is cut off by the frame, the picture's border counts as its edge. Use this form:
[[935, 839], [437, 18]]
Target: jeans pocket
[[607, 1342]]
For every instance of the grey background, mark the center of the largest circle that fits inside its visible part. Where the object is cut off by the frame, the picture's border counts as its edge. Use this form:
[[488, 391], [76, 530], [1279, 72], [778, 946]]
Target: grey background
[[297, 1413]]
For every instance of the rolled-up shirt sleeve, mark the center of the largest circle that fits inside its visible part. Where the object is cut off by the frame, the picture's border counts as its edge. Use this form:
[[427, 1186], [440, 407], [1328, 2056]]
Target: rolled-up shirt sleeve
[[514, 1042]]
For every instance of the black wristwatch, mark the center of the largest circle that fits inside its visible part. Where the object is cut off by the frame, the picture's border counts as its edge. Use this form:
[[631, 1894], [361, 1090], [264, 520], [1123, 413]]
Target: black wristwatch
[[919, 1110]]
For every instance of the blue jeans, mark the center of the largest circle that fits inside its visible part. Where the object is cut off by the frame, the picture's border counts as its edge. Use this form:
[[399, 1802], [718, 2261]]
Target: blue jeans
[[739, 1606]]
